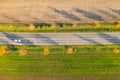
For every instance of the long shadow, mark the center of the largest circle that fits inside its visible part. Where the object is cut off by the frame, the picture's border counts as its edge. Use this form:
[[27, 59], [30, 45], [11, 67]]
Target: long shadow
[[108, 14], [90, 15], [66, 14], [61, 24], [109, 38], [3, 41], [13, 37], [50, 16], [46, 39], [116, 11], [10, 18], [42, 24], [31, 17], [87, 39]]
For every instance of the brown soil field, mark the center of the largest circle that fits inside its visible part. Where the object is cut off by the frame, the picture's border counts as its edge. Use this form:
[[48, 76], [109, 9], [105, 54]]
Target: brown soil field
[[47, 11]]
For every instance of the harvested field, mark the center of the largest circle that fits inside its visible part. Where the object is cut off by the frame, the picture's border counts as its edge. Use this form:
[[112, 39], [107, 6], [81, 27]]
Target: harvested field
[[56, 11]]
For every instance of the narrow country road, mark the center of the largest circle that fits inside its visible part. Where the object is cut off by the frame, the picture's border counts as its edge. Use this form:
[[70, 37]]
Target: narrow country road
[[59, 38]]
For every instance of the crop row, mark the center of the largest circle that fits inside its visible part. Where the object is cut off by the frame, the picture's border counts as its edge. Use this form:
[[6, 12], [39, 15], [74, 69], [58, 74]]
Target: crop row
[[26, 50], [63, 27]]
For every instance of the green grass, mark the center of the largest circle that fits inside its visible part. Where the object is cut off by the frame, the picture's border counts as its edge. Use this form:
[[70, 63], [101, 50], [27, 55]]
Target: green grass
[[95, 62], [104, 27]]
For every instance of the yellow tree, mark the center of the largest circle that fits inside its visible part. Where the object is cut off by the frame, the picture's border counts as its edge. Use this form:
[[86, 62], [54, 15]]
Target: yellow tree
[[116, 51], [31, 27], [2, 50], [96, 24], [45, 50], [117, 25], [69, 50], [22, 52]]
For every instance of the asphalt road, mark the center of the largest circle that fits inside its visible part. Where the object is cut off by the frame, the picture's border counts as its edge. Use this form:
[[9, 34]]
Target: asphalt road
[[59, 38]]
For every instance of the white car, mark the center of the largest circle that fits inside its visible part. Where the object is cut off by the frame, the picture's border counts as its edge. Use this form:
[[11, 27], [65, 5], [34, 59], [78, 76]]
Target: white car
[[17, 40]]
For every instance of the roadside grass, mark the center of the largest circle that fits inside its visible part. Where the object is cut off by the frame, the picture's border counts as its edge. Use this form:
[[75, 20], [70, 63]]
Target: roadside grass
[[83, 27], [86, 62]]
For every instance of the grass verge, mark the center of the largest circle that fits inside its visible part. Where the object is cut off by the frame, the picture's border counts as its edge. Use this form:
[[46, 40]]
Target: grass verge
[[93, 27]]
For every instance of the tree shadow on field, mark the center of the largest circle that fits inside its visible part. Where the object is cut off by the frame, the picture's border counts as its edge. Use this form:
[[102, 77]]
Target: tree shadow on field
[[61, 24], [107, 14], [46, 39], [14, 37], [11, 18], [3, 41], [42, 24], [110, 38], [90, 15], [66, 14], [30, 17], [87, 39], [116, 11]]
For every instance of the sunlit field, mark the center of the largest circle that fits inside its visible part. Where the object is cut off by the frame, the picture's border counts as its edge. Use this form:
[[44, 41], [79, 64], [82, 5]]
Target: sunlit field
[[31, 61], [84, 62]]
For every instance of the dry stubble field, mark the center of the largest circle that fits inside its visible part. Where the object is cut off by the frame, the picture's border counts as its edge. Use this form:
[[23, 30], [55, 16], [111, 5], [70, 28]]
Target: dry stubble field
[[39, 11]]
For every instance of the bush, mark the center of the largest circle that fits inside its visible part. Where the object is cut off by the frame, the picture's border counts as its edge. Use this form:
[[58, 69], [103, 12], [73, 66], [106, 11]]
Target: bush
[[96, 24], [117, 24], [31, 27], [115, 51], [22, 52], [45, 50], [69, 50], [2, 50]]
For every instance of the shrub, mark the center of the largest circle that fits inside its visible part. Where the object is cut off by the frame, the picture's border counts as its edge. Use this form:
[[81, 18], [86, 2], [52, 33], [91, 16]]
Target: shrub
[[45, 50], [2, 50], [31, 27], [22, 52], [117, 24], [69, 50], [115, 51], [96, 24], [54, 26], [74, 24]]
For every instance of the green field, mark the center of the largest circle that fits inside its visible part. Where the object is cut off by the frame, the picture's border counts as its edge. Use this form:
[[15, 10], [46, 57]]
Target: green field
[[83, 27], [89, 62]]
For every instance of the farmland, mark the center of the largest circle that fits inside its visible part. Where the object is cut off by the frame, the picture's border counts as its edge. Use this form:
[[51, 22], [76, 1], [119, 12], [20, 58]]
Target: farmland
[[24, 57], [56, 11], [85, 62]]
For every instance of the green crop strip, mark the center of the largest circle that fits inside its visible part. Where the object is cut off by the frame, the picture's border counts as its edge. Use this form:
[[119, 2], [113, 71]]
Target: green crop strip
[[83, 27], [98, 61]]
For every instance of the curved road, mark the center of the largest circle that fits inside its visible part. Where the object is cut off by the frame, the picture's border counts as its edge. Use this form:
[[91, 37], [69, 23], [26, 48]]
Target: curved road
[[59, 38]]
